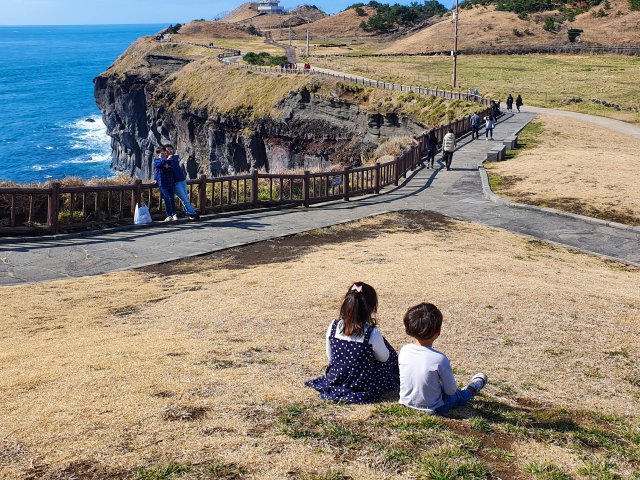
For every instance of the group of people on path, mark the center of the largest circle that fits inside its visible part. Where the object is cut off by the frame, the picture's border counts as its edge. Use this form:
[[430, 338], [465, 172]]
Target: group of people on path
[[171, 180], [363, 365], [449, 144]]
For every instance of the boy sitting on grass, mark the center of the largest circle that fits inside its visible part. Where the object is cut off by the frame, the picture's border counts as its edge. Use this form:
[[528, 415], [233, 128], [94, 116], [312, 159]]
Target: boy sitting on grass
[[426, 377]]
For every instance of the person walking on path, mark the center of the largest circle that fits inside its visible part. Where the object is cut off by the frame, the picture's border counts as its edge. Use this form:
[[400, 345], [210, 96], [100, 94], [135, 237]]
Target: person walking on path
[[489, 123], [432, 148], [519, 103], [448, 147], [509, 103], [163, 176], [180, 184], [475, 126]]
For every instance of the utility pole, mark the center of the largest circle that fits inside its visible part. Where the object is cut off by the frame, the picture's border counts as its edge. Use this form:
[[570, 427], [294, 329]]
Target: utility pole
[[308, 37], [455, 46]]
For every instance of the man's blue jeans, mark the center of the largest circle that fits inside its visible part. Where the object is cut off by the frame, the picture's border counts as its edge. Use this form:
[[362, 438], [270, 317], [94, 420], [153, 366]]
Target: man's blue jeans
[[459, 398], [183, 195], [169, 201]]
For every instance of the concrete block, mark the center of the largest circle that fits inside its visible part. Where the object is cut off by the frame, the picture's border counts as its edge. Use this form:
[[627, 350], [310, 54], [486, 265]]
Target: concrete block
[[510, 142], [497, 153]]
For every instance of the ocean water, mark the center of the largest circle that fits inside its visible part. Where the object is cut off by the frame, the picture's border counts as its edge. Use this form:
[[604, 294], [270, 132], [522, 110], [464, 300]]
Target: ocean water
[[46, 97]]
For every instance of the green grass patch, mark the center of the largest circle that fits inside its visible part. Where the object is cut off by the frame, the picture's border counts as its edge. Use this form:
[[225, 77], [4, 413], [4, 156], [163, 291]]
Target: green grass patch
[[545, 471], [164, 471]]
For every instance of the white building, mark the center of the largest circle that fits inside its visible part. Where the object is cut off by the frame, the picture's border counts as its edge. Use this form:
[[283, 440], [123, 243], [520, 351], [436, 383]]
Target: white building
[[270, 6]]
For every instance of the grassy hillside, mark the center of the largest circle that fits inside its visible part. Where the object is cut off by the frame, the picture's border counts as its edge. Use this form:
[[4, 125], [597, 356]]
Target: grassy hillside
[[485, 26]]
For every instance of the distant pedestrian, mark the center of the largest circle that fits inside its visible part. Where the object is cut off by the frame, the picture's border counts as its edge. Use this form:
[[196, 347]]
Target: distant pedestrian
[[475, 126], [519, 103], [448, 147], [475, 92], [432, 147], [489, 123], [163, 176], [509, 103], [180, 184]]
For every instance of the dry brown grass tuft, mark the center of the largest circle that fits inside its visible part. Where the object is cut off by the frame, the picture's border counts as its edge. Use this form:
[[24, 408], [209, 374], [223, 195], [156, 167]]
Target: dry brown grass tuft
[[578, 167], [205, 366]]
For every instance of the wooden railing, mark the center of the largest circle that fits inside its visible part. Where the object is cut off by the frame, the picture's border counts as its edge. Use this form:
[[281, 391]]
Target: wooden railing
[[22, 210]]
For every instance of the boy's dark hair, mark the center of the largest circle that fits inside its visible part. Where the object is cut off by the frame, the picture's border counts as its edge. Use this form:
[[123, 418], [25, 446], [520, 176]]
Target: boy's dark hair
[[169, 146], [451, 130], [360, 302], [159, 149], [423, 321]]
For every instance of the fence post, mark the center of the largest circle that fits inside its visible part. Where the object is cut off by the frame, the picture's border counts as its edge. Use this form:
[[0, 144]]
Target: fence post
[[305, 188], [376, 184], [396, 176], [54, 206], [345, 183], [254, 188], [202, 195], [404, 165]]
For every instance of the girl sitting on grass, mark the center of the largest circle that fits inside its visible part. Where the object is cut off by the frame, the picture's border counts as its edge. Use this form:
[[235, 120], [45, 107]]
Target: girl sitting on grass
[[362, 364]]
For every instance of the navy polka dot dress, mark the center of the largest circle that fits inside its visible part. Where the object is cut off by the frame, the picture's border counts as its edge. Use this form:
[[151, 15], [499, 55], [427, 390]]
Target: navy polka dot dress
[[354, 375]]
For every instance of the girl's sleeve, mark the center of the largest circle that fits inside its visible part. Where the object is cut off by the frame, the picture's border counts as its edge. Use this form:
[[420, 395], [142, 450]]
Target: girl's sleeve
[[155, 170], [380, 350], [328, 343], [448, 381]]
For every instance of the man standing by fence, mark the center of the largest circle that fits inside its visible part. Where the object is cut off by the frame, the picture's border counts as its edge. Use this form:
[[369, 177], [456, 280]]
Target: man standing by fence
[[180, 184], [475, 126], [448, 147]]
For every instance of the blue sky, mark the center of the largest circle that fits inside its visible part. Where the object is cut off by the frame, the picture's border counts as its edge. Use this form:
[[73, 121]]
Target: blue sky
[[83, 12]]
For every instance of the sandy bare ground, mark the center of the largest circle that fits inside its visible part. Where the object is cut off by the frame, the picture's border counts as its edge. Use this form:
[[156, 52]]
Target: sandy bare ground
[[578, 167], [197, 361]]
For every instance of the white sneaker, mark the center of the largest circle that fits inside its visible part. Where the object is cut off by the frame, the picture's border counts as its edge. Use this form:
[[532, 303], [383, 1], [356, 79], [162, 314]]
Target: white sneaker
[[174, 218], [478, 382], [168, 219]]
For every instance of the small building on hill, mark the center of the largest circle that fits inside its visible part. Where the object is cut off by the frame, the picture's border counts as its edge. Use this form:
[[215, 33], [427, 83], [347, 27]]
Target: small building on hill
[[271, 6]]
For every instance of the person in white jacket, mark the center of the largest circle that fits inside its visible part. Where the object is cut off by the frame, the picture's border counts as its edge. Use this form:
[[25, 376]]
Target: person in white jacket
[[448, 147]]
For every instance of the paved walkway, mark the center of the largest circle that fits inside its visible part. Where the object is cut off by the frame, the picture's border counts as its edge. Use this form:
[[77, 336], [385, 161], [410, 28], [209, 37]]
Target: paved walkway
[[617, 125], [457, 193]]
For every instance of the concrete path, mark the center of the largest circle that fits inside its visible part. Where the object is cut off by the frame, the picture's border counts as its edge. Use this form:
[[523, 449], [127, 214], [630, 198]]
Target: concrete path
[[457, 193], [617, 125]]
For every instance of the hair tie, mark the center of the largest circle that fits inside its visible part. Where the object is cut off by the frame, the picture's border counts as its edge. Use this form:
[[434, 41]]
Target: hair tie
[[356, 288]]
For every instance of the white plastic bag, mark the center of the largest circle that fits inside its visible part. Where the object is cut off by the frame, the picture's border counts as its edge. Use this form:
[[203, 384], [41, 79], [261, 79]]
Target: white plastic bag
[[142, 215]]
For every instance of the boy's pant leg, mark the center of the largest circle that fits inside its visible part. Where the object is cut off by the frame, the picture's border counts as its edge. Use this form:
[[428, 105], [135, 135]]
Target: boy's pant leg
[[183, 195], [169, 202], [459, 398]]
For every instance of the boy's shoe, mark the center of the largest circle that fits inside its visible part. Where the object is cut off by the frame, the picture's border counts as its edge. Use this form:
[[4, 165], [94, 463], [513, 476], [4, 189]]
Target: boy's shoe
[[478, 382], [168, 219], [174, 218], [196, 216]]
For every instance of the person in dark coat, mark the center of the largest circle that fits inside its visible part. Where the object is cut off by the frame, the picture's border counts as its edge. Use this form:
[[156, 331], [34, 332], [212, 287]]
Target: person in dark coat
[[519, 103], [509, 103], [432, 148]]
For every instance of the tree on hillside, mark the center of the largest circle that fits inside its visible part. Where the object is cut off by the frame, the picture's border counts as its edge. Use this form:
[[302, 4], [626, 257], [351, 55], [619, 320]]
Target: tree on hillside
[[634, 4], [388, 16]]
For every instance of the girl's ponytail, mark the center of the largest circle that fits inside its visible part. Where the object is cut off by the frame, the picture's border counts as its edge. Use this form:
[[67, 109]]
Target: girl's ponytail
[[360, 302]]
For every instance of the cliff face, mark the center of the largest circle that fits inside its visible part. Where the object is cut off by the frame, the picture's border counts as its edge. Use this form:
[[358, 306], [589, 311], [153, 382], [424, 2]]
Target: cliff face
[[311, 131]]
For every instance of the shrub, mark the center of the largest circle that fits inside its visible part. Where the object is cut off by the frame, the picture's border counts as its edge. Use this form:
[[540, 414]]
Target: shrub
[[516, 32], [601, 13], [522, 15], [360, 11], [607, 5], [527, 32], [549, 24], [363, 25], [634, 4], [574, 33]]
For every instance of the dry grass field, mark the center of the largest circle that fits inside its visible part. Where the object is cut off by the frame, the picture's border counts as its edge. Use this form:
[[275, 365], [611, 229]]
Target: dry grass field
[[573, 166], [195, 369], [543, 80]]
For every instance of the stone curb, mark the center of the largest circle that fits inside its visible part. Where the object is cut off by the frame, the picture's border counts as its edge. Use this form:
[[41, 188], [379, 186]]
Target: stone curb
[[488, 193]]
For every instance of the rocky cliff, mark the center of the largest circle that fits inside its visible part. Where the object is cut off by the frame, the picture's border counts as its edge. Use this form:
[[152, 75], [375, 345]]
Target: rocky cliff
[[225, 120]]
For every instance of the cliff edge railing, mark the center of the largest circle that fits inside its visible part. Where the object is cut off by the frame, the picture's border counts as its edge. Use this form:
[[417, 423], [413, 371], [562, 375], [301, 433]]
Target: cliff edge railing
[[56, 208]]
